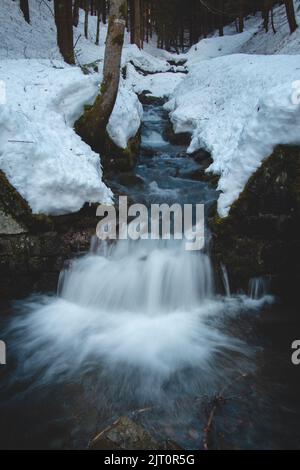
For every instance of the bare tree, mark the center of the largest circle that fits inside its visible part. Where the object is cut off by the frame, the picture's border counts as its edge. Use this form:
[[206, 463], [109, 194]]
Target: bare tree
[[86, 17], [241, 6], [92, 125], [266, 10], [137, 23], [221, 17], [64, 23], [98, 22], [76, 12], [290, 11], [25, 9]]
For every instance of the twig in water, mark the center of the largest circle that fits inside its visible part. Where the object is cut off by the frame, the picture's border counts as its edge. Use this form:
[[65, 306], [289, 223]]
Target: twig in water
[[218, 400], [142, 410]]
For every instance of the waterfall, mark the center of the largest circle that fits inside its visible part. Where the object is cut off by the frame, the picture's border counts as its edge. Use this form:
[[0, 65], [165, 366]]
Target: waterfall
[[259, 287], [143, 309], [140, 276], [225, 280]]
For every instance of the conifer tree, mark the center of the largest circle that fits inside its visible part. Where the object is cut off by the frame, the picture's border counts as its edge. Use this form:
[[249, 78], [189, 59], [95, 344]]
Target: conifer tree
[[25, 9], [63, 13]]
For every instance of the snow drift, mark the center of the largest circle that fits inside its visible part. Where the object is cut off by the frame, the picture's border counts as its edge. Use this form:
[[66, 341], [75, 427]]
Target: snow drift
[[51, 167]]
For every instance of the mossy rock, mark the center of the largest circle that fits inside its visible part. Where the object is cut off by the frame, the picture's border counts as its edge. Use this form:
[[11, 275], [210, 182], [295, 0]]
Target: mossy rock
[[261, 234], [116, 160], [13, 205], [203, 157], [183, 138], [125, 434], [130, 180], [146, 98]]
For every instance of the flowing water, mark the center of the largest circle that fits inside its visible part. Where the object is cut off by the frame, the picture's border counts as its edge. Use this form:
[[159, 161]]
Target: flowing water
[[138, 328]]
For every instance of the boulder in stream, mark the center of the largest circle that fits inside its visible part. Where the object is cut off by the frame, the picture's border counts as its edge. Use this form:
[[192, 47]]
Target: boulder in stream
[[125, 434]]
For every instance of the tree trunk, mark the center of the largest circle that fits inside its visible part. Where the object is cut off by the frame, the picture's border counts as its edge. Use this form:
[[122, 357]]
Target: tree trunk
[[25, 9], [131, 13], [290, 11], [221, 17], [266, 14], [64, 23], [272, 20], [86, 17], [241, 16], [137, 23], [98, 22], [76, 13], [104, 11], [92, 125]]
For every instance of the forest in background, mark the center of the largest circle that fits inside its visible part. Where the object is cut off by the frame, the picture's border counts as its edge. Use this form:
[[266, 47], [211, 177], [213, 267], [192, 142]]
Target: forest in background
[[176, 25]]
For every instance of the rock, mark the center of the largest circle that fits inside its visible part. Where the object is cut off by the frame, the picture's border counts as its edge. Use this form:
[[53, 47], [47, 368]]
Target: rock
[[178, 62], [9, 226], [203, 157], [116, 160], [201, 175], [147, 98], [130, 179], [34, 248], [125, 434], [260, 237], [182, 138]]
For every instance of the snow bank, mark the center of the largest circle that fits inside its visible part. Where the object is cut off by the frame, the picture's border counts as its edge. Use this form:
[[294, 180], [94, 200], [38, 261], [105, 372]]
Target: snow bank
[[269, 43], [238, 107], [217, 46], [126, 118], [277, 121], [51, 167], [159, 85], [254, 40], [20, 40]]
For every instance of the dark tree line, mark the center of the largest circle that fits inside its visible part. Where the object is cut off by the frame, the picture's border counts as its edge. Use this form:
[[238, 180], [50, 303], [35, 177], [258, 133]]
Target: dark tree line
[[176, 24]]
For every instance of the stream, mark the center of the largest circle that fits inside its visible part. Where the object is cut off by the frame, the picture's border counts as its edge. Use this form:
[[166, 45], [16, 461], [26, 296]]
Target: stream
[[141, 328]]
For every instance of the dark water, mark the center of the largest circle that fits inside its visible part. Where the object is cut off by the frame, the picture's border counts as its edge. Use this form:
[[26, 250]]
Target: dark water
[[140, 330]]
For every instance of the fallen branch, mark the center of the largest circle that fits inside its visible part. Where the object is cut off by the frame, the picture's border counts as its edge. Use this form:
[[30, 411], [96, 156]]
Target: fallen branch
[[21, 141], [142, 410], [218, 400]]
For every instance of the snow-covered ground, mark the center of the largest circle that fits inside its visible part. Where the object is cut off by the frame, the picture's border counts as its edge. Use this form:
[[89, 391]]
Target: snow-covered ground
[[240, 106], [238, 101], [160, 85], [52, 168]]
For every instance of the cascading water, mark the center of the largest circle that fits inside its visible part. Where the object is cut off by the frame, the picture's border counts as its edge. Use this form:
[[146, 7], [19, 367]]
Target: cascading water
[[225, 280], [144, 306], [259, 287], [134, 323]]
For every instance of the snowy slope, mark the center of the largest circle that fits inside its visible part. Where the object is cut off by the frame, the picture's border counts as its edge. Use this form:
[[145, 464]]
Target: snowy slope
[[52, 168], [240, 106], [20, 40], [258, 41], [269, 43], [57, 173]]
